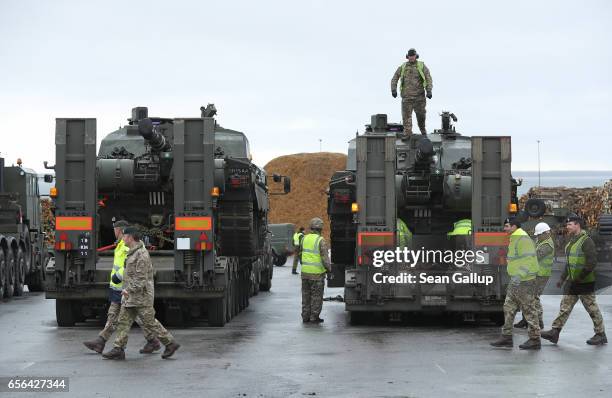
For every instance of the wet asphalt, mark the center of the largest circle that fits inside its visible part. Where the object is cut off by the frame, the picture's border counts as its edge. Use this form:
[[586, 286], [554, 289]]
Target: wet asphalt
[[266, 351]]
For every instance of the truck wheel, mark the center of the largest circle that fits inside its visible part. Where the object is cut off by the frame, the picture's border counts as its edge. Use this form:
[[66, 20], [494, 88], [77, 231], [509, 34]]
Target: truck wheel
[[281, 260], [9, 279], [2, 273], [64, 313], [358, 317], [20, 272], [535, 207], [217, 311], [265, 283]]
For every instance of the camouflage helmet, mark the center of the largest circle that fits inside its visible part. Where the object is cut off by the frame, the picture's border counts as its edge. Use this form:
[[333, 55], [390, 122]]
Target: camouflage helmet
[[411, 52], [316, 223], [120, 224]]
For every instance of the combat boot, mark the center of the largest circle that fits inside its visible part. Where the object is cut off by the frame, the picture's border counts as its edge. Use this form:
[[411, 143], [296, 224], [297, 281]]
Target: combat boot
[[522, 324], [503, 341], [598, 339], [294, 272], [551, 335], [531, 344], [316, 320], [151, 346], [96, 345], [170, 350], [115, 353]]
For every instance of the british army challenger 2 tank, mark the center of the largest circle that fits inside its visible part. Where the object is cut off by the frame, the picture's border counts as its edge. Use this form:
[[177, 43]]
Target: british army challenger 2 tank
[[430, 183], [189, 186]]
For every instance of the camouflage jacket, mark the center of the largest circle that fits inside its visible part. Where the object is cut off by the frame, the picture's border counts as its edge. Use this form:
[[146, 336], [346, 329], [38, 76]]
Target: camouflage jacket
[[413, 84], [138, 278], [324, 251]]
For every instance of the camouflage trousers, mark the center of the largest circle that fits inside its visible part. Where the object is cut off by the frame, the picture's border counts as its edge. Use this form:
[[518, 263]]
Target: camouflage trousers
[[418, 106], [590, 305], [295, 262], [312, 298], [127, 315], [111, 323], [541, 282], [522, 296]]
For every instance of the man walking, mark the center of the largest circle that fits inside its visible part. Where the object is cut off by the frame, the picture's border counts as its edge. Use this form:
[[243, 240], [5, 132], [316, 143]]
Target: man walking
[[297, 239], [545, 249], [415, 85], [314, 257], [580, 275], [115, 288], [521, 294], [138, 293]]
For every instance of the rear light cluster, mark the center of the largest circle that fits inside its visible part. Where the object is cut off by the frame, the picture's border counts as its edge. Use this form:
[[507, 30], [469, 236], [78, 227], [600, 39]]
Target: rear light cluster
[[239, 181], [340, 197], [203, 244], [63, 243]]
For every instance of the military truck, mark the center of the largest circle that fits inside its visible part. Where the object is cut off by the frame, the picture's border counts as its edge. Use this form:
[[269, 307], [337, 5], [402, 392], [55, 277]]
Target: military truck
[[22, 251], [430, 182], [282, 242], [190, 187]]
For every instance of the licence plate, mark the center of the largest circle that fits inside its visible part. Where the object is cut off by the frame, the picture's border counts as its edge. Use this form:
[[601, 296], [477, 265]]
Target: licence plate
[[433, 300]]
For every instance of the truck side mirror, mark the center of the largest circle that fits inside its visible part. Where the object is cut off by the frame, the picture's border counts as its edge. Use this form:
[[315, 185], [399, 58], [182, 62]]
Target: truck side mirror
[[48, 178], [287, 185]]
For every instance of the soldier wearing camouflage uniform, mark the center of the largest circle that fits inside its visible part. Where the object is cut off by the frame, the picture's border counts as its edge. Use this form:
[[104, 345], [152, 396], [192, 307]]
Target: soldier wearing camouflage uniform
[[415, 84], [522, 290], [314, 257], [115, 288], [580, 277], [545, 248], [138, 295]]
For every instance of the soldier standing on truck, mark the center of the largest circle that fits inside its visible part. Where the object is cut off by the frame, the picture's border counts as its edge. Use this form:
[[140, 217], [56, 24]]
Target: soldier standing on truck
[[522, 290], [580, 273], [415, 84], [114, 296], [297, 239], [138, 294], [314, 257], [545, 248]]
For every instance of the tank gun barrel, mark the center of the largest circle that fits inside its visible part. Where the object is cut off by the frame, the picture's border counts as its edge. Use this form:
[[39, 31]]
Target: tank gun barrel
[[156, 140]]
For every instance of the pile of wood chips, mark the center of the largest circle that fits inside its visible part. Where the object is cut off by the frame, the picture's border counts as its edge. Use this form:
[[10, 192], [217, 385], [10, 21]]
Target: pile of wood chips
[[310, 174], [589, 203], [48, 221]]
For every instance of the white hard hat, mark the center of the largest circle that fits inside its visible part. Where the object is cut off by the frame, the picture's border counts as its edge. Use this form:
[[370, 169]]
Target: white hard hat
[[541, 228]]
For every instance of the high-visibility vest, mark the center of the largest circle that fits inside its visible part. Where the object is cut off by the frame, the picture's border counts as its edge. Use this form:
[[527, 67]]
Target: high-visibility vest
[[404, 236], [419, 66], [296, 238], [576, 260], [461, 227], [311, 260], [545, 263], [121, 251], [522, 257]]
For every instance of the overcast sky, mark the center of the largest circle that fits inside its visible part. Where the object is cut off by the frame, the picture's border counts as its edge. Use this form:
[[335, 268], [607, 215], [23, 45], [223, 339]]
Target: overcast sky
[[289, 73]]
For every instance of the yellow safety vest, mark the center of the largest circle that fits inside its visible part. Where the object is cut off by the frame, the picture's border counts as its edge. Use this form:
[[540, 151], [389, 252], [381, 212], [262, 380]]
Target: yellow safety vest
[[576, 260], [461, 227], [419, 66], [311, 255], [121, 251], [296, 238], [522, 257], [546, 263], [404, 236]]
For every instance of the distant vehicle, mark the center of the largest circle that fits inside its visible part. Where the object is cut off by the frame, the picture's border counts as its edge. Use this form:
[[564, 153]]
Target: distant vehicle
[[22, 250], [282, 242]]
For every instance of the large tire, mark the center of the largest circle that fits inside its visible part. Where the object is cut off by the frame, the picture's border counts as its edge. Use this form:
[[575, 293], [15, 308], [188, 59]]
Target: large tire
[[9, 278], [535, 207], [20, 272], [265, 282], [280, 260], [217, 309], [2, 273], [64, 313]]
